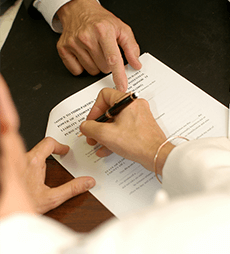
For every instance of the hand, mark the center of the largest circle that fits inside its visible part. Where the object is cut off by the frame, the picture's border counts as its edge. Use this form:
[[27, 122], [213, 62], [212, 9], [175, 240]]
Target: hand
[[22, 175], [90, 40], [13, 195], [134, 133], [46, 198]]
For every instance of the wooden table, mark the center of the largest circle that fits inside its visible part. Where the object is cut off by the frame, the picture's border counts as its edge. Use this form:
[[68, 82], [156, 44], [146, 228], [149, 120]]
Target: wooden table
[[81, 213]]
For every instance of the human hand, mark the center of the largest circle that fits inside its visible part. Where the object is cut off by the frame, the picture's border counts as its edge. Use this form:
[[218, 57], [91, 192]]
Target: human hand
[[91, 38], [22, 175], [134, 133], [13, 195], [44, 197]]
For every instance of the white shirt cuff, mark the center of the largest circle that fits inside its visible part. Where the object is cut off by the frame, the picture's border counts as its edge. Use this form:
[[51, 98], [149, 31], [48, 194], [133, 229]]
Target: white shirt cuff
[[48, 9]]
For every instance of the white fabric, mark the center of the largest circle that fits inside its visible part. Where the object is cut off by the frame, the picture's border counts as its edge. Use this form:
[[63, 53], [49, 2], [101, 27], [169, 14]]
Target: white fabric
[[48, 9], [24, 233], [198, 166], [190, 215]]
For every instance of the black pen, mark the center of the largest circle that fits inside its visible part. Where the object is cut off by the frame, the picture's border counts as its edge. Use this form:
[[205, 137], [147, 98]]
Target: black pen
[[120, 104]]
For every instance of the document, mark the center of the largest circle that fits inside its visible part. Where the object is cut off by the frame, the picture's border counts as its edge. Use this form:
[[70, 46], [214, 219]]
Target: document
[[179, 107]]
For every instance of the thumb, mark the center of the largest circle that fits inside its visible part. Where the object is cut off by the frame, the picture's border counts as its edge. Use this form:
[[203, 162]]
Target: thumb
[[130, 47], [132, 56], [57, 196], [74, 187]]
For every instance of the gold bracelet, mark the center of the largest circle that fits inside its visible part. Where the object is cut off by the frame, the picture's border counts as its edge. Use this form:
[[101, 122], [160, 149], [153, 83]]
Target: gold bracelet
[[158, 151]]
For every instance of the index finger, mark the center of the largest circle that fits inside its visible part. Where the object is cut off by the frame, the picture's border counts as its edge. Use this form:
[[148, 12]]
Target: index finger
[[114, 60], [48, 146], [105, 100]]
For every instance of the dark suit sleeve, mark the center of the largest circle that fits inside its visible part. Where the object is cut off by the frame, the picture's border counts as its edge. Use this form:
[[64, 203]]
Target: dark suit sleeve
[[33, 12]]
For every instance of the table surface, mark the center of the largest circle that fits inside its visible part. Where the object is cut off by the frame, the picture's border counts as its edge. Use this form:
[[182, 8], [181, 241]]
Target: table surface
[[81, 213]]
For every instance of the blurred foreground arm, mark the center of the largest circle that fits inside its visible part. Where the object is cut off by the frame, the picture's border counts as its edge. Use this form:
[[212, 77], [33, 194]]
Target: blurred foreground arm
[[22, 175]]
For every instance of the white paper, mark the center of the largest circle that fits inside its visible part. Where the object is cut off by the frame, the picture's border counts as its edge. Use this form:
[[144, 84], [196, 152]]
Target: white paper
[[180, 109]]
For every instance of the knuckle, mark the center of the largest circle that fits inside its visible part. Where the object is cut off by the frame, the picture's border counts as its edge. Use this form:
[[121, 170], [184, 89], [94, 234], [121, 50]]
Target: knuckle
[[112, 59], [50, 143], [104, 91], [62, 46], [85, 39], [143, 102], [102, 27], [58, 46], [49, 140], [71, 42], [94, 71], [128, 29], [62, 52], [105, 28], [106, 70], [76, 189]]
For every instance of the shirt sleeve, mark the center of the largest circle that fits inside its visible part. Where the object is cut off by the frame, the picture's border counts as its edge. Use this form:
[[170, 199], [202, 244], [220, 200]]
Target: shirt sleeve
[[48, 9], [197, 166], [25, 233]]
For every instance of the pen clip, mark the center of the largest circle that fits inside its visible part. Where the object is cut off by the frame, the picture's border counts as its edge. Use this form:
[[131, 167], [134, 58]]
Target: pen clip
[[122, 98]]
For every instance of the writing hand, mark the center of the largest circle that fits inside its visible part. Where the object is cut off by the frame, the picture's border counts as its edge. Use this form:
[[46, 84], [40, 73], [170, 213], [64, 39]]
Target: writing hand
[[134, 133], [91, 38]]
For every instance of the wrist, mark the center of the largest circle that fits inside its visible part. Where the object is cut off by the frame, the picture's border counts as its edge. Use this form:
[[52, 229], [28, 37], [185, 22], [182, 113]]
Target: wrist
[[64, 10], [148, 160], [74, 7], [160, 157], [165, 148]]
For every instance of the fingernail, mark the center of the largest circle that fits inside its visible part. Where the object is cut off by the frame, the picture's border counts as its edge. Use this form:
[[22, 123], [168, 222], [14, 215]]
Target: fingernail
[[89, 184]]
